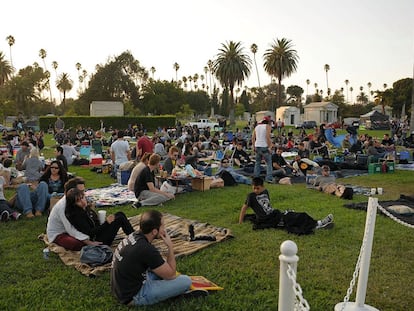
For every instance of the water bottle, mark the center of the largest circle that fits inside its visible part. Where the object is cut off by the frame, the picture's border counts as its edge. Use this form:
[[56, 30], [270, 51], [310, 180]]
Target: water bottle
[[46, 253]]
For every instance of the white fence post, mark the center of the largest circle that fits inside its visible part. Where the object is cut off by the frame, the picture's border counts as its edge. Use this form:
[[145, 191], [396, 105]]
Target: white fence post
[[359, 304], [288, 251]]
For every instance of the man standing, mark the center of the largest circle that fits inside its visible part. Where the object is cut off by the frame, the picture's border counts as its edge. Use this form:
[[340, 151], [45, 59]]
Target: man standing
[[120, 152], [262, 145], [139, 275], [144, 188], [59, 125]]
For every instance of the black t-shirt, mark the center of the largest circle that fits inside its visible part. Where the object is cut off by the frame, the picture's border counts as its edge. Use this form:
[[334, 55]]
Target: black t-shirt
[[260, 203], [277, 158], [132, 258], [145, 177]]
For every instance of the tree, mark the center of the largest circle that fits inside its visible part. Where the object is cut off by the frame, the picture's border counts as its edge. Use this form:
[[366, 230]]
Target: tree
[[6, 70], [280, 61], [327, 68], [42, 55], [369, 84], [346, 83], [64, 84], [176, 67], [402, 95], [153, 70], [351, 89], [10, 41], [295, 92], [231, 66], [253, 49]]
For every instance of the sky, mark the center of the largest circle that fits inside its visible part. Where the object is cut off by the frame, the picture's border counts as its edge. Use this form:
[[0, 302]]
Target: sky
[[361, 40]]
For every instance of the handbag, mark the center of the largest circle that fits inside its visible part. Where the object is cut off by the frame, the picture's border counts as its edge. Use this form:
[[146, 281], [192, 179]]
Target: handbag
[[96, 255]]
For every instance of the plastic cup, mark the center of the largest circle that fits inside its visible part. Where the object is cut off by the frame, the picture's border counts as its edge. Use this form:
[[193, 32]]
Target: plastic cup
[[102, 216], [379, 190], [373, 191]]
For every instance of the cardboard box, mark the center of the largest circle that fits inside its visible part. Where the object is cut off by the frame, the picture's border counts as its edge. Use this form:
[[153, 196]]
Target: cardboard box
[[201, 183], [123, 177]]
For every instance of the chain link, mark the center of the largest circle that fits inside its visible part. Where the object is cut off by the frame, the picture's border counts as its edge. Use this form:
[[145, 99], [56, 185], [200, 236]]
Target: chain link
[[387, 213], [300, 304]]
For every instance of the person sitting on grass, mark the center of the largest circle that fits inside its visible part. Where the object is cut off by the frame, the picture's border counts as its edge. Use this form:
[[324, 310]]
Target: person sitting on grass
[[140, 275], [268, 217], [327, 183], [85, 219], [59, 230], [239, 178], [6, 212], [144, 188]]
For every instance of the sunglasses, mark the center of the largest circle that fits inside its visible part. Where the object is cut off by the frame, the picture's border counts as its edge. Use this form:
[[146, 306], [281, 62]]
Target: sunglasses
[[224, 162], [56, 167]]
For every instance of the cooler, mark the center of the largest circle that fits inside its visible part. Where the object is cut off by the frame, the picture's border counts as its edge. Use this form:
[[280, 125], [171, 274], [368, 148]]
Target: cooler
[[374, 168], [123, 177]]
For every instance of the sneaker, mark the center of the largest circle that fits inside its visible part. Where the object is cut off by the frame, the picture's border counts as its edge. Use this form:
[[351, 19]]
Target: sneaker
[[194, 293], [16, 215], [5, 216], [326, 223], [136, 204]]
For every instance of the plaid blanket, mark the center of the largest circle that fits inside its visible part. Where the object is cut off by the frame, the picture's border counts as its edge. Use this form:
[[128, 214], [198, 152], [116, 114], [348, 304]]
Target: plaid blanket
[[177, 228], [109, 196]]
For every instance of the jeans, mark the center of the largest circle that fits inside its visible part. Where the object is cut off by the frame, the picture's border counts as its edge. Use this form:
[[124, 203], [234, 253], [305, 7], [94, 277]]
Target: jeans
[[154, 289], [148, 198], [31, 201], [263, 152]]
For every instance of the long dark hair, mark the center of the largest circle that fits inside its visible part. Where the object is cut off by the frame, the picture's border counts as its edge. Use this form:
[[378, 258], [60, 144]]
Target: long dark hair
[[72, 195], [62, 172]]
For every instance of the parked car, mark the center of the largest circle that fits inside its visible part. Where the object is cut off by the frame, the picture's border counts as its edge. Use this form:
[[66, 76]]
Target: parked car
[[306, 125], [8, 129]]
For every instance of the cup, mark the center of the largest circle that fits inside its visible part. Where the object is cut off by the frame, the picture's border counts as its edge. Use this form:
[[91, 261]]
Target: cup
[[379, 190], [373, 191], [102, 216]]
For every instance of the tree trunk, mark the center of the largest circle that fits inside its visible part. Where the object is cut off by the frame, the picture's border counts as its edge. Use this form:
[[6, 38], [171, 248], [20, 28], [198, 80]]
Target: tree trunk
[[231, 114]]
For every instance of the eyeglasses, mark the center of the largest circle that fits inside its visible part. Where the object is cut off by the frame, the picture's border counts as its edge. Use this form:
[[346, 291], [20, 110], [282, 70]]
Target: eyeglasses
[[224, 162], [56, 167], [175, 155]]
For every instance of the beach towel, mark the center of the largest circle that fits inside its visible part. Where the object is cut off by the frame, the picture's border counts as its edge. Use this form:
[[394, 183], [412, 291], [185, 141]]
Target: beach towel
[[109, 196], [177, 228]]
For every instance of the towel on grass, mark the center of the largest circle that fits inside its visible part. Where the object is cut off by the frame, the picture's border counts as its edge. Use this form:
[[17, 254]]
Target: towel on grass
[[177, 228], [109, 196]]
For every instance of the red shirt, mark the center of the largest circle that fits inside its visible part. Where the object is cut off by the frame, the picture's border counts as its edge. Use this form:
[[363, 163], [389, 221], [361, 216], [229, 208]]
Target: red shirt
[[145, 144]]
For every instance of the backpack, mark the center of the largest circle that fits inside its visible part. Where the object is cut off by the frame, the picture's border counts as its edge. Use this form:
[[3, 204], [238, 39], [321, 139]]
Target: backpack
[[96, 255], [227, 178], [299, 223]]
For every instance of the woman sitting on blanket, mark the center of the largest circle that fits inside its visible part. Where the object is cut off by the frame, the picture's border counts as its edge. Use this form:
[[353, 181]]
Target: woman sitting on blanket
[[85, 219]]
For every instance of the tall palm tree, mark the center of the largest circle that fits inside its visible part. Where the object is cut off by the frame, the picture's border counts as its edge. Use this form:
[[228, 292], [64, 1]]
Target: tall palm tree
[[78, 68], [327, 68], [190, 79], [210, 69], [42, 55], [10, 41], [280, 61], [369, 84], [184, 79], [346, 83], [231, 66], [153, 70], [316, 87], [307, 87], [64, 84], [351, 90], [55, 66], [195, 79], [253, 49], [84, 76], [206, 72], [6, 70], [385, 86], [176, 67]]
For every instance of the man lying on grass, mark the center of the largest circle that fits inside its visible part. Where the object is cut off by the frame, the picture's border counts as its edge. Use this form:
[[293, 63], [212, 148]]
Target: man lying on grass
[[268, 217]]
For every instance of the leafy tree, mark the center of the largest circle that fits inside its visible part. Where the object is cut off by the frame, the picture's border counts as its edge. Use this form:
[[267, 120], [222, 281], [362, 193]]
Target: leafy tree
[[245, 101], [198, 101], [64, 84], [295, 92], [402, 91], [161, 97], [224, 107], [231, 66], [280, 62]]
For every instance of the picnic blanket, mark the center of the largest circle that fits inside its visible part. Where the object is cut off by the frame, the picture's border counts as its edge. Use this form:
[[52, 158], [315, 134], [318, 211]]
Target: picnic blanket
[[403, 208], [177, 228], [109, 196]]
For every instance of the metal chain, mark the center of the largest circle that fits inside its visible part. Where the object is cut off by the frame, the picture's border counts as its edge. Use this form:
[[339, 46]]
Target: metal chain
[[387, 213], [357, 266], [300, 304]]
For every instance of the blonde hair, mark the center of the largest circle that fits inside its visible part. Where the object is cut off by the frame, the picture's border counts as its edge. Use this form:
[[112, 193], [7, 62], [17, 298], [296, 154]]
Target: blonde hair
[[34, 152]]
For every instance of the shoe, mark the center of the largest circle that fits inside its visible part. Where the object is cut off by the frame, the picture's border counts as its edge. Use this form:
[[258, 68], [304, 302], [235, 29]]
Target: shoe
[[136, 204], [5, 216], [326, 223], [30, 215], [194, 293], [16, 215], [269, 181], [38, 213]]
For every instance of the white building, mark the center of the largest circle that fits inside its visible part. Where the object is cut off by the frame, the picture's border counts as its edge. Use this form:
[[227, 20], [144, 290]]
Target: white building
[[289, 115], [321, 112], [106, 108]]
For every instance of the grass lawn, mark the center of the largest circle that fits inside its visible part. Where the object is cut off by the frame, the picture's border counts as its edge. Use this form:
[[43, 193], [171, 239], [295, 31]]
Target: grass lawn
[[246, 266]]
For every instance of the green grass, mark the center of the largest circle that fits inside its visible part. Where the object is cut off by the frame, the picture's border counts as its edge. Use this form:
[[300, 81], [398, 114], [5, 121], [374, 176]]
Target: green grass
[[246, 266]]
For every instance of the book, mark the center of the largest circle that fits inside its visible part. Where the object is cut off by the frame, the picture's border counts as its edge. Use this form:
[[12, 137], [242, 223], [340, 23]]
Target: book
[[200, 282]]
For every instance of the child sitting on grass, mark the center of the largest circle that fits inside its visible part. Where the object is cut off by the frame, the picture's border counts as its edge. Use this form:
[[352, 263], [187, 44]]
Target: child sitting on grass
[[268, 217]]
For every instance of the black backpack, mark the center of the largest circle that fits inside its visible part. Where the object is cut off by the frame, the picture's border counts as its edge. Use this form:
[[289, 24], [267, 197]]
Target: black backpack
[[228, 178]]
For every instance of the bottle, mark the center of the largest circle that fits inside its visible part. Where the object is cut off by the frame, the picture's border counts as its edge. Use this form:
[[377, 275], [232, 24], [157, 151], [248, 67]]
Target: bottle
[[46, 253]]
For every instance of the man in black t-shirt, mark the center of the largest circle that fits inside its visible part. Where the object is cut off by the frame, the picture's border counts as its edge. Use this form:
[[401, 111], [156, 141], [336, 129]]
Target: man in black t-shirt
[[139, 275], [144, 188]]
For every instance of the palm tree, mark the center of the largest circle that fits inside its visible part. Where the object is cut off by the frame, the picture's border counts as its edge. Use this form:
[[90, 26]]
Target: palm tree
[[64, 84], [327, 68], [152, 69], [190, 79], [10, 41], [351, 89], [78, 68], [176, 67], [307, 87], [184, 79], [280, 61], [253, 49], [42, 55], [316, 87], [369, 84], [84, 76], [385, 86], [346, 83], [6, 70], [210, 69], [206, 72], [195, 79], [55, 66], [231, 66]]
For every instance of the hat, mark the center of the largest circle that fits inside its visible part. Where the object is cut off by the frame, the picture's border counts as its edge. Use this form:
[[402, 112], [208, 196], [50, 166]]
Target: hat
[[267, 118]]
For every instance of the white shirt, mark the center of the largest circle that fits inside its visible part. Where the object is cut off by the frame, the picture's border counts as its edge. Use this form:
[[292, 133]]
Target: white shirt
[[68, 152], [120, 148], [58, 223], [261, 136]]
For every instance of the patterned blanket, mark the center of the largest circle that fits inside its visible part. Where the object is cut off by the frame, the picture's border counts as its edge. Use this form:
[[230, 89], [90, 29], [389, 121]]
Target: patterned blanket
[[109, 196], [177, 228]]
